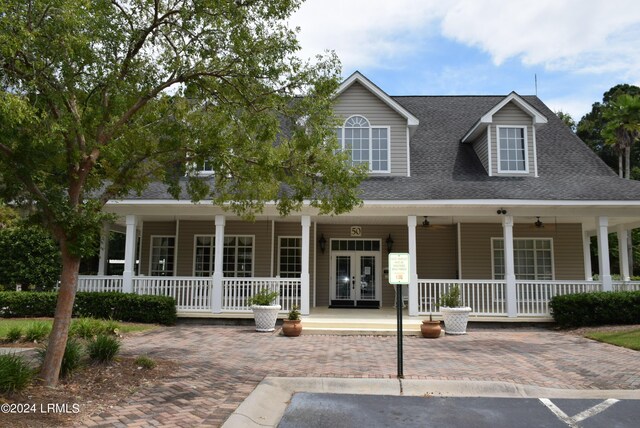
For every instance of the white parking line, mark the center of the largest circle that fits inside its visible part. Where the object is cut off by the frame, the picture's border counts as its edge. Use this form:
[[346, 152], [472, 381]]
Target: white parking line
[[573, 421]]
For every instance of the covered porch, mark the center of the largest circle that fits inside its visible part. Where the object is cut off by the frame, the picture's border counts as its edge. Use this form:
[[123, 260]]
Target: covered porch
[[484, 250]]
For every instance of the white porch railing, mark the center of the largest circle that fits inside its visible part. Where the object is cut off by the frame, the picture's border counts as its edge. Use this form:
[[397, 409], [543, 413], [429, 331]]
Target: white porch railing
[[237, 291], [99, 283], [486, 298], [626, 285], [192, 294], [533, 296]]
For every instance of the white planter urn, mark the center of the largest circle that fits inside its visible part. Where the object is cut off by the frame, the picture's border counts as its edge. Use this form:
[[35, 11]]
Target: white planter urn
[[265, 317], [455, 319]]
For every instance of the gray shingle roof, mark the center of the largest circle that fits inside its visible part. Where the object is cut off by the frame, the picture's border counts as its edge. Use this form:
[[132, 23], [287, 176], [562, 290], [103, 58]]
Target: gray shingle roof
[[444, 168]]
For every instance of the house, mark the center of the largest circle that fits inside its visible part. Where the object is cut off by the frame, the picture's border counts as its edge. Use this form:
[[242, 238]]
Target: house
[[493, 193]]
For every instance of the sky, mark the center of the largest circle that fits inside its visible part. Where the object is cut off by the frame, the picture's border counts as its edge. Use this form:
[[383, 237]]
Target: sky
[[575, 49]]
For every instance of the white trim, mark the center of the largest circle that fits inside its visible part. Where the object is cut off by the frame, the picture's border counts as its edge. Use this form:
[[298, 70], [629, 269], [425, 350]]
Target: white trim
[[370, 155], [195, 244], [489, 151], [175, 249], [487, 118], [526, 149], [535, 262], [273, 244], [535, 151], [315, 259], [280, 237], [408, 152], [175, 239], [412, 121], [459, 239], [420, 202]]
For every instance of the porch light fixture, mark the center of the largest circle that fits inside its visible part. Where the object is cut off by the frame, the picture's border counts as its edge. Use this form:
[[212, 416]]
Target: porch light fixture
[[425, 222], [538, 223], [389, 242], [322, 243], [501, 211]]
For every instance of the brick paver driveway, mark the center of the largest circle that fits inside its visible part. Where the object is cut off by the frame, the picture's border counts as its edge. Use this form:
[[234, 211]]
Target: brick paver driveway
[[220, 366]]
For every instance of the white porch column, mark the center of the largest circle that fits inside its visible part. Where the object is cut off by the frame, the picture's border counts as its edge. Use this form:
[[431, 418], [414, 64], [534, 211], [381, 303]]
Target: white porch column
[[509, 269], [413, 267], [218, 274], [586, 254], [104, 249], [129, 254], [304, 274], [602, 224], [623, 253]]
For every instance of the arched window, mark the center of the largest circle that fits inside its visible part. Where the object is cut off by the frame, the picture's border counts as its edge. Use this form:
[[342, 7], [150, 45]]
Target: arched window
[[366, 144]]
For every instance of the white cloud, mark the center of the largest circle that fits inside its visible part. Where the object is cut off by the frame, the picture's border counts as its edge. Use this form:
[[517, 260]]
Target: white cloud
[[364, 33], [585, 36]]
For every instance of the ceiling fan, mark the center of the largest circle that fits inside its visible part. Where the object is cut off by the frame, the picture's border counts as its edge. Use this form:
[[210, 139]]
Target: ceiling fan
[[540, 225], [427, 224]]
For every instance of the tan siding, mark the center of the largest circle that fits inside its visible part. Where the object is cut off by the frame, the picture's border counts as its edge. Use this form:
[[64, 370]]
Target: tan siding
[[358, 100], [294, 229], [567, 248], [261, 231], [511, 115], [480, 147], [166, 228], [437, 253]]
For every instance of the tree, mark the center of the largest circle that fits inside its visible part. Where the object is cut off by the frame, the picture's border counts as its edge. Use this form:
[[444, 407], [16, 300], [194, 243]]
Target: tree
[[24, 247], [567, 120], [590, 127], [622, 128], [100, 98]]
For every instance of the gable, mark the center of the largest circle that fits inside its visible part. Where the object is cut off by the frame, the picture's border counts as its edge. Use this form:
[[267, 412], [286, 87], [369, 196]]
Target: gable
[[358, 100]]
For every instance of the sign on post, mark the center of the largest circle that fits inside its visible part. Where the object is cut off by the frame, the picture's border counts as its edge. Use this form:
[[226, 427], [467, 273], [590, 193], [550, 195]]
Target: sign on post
[[399, 276], [399, 268]]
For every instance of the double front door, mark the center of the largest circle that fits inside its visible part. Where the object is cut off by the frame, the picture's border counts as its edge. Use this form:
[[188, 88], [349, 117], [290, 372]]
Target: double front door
[[355, 279]]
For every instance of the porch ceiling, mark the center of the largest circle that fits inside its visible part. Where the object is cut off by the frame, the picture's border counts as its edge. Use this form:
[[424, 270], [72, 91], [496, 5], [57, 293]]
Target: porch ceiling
[[384, 213]]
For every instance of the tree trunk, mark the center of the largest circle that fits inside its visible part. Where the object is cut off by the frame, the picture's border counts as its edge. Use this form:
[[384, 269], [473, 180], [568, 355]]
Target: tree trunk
[[620, 168], [66, 296], [627, 162]]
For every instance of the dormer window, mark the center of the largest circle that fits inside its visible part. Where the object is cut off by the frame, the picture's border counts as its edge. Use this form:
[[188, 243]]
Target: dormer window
[[366, 144], [512, 149]]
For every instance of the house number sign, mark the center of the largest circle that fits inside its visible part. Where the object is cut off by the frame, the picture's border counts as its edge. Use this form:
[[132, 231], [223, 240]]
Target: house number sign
[[356, 231]]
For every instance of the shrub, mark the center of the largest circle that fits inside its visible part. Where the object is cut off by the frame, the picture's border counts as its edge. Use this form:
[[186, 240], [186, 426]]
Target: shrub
[[37, 330], [84, 328], [23, 247], [294, 314], [575, 310], [14, 334], [451, 299], [15, 373], [116, 306], [145, 362], [264, 297], [103, 348], [71, 359]]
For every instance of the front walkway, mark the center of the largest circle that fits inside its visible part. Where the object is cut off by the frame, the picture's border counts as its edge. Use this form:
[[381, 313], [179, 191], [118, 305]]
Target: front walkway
[[220, 366]]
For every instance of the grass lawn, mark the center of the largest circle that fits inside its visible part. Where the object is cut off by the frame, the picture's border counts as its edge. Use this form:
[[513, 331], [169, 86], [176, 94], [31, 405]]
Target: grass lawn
[[628, 339], [7, 323]]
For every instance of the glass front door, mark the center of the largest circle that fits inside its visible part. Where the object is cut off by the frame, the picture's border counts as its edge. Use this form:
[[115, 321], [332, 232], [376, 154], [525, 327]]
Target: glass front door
[[355, 279]]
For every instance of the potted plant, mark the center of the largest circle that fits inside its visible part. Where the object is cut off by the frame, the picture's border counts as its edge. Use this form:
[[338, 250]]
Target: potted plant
[[264, 311], [455, 315], [292, 326], [430, 329]]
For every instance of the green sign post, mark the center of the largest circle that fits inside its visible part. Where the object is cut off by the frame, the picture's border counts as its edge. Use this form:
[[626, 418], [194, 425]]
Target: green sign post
[[399, 276]]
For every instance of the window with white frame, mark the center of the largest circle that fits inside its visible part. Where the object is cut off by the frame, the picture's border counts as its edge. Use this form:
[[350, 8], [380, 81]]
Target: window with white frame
[[162, 255], [532, 258], [290, 257], [365, 144], [205, 168], [237, 258], [512, 149]]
